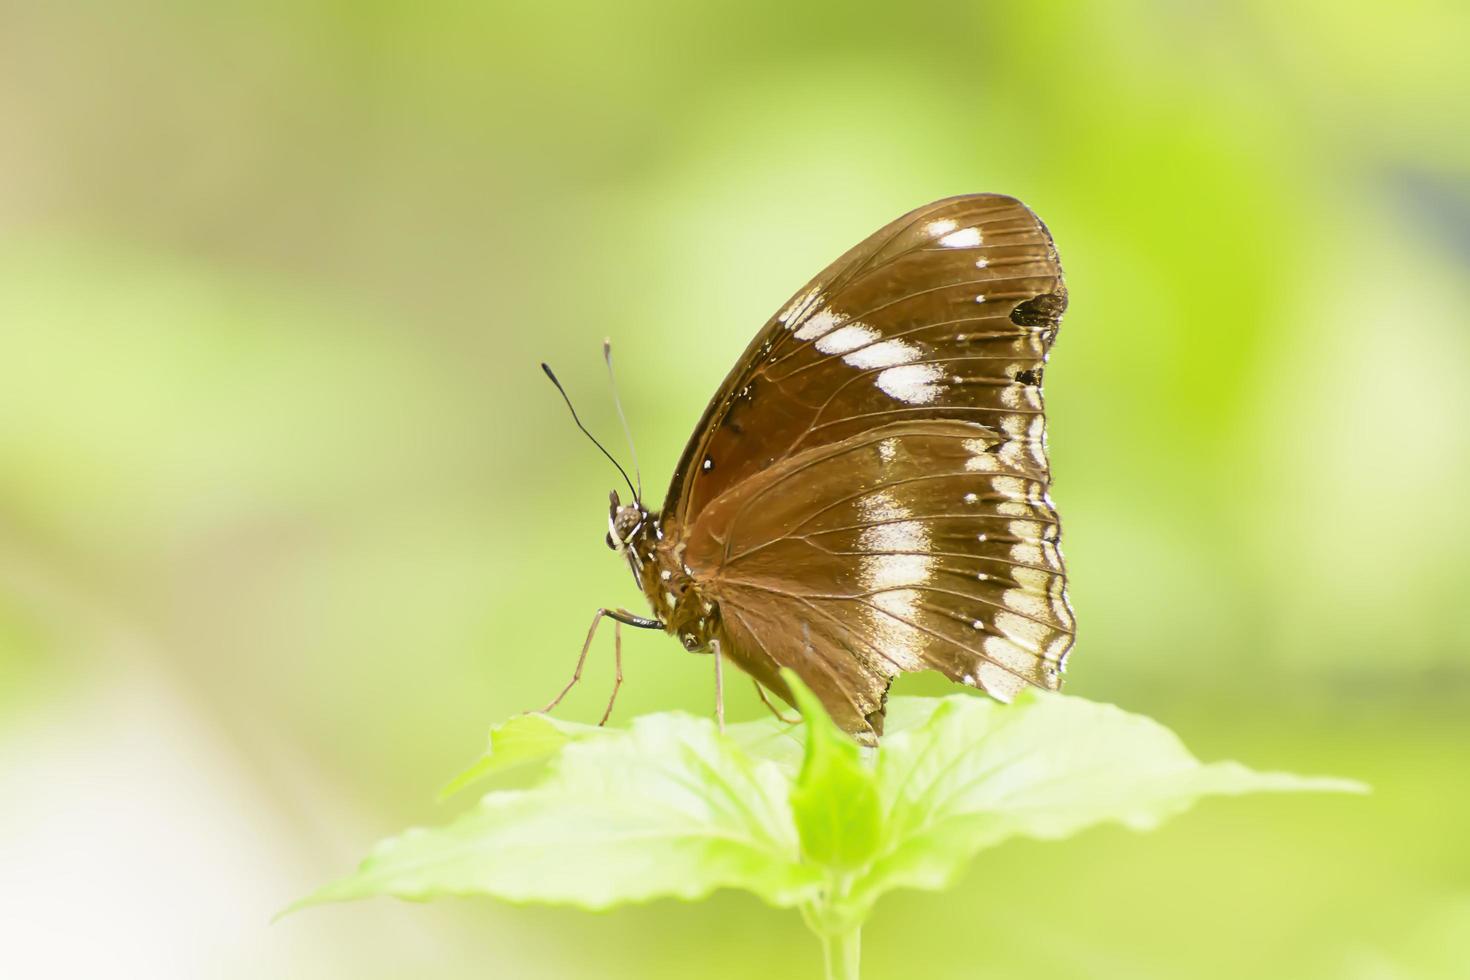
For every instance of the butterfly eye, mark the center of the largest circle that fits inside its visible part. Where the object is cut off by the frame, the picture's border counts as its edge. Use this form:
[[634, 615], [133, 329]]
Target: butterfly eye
[[610, 542]]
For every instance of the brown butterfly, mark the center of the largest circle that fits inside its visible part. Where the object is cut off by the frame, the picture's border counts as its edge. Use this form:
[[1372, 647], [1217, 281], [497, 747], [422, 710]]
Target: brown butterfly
[[866, 494]]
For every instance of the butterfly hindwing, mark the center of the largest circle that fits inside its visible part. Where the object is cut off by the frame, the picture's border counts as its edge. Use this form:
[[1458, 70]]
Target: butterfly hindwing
[[916, 545]]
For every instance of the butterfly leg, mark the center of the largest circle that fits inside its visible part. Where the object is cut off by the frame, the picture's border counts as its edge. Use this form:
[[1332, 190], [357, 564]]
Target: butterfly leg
[[719, 685], [617, 670], [619, 615], [761, 691]]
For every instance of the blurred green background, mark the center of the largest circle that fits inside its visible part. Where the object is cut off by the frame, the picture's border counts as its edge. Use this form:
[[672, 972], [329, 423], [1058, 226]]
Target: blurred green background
[[288, 515]]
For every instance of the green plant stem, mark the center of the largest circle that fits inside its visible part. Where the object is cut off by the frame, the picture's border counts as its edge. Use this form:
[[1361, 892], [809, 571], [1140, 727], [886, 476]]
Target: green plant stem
[[842, 953]]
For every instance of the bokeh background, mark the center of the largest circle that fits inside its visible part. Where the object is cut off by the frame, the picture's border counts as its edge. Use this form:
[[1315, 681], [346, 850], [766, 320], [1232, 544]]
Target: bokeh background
[[288, 515]]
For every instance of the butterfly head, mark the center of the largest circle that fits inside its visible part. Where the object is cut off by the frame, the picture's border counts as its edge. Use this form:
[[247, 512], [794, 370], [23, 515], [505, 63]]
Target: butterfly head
[[624, 521]]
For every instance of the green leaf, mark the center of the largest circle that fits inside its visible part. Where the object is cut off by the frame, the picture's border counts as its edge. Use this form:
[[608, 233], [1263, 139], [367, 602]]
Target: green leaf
[[835, 799], [795, 815], [530, 738], [773, 740], [669, 808], [1047, 766], [518, 741]]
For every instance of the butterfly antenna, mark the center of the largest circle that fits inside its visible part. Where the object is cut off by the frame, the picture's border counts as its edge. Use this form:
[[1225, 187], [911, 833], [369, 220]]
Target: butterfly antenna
[[547, 368], [618, 402]]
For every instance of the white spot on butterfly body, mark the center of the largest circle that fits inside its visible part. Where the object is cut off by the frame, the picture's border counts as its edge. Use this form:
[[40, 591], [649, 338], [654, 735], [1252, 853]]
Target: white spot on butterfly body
[[964, 238], [912, 383]]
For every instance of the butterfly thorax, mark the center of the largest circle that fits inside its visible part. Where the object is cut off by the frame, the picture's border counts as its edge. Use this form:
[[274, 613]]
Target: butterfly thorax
[[655, 555]]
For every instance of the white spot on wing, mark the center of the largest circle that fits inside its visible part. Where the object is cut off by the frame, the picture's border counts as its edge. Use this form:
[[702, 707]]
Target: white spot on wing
[[881, 507], [890, 353], [1057, 647], [1031, 579], [1026, 554], [1006, 653], [819, 323], [1010, 486], [941, 227], [980, 461], [998, 683], [890, 570], [1025, 633], [891, 578], [964, 238], [845, 338], [797, 304], [912, 383]]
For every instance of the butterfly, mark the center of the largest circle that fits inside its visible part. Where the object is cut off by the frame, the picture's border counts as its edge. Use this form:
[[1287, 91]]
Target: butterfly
[[867, 493]]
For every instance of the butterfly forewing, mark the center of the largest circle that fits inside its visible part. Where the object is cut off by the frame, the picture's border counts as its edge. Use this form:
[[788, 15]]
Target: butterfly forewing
[[867, 494], [918, 321]]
